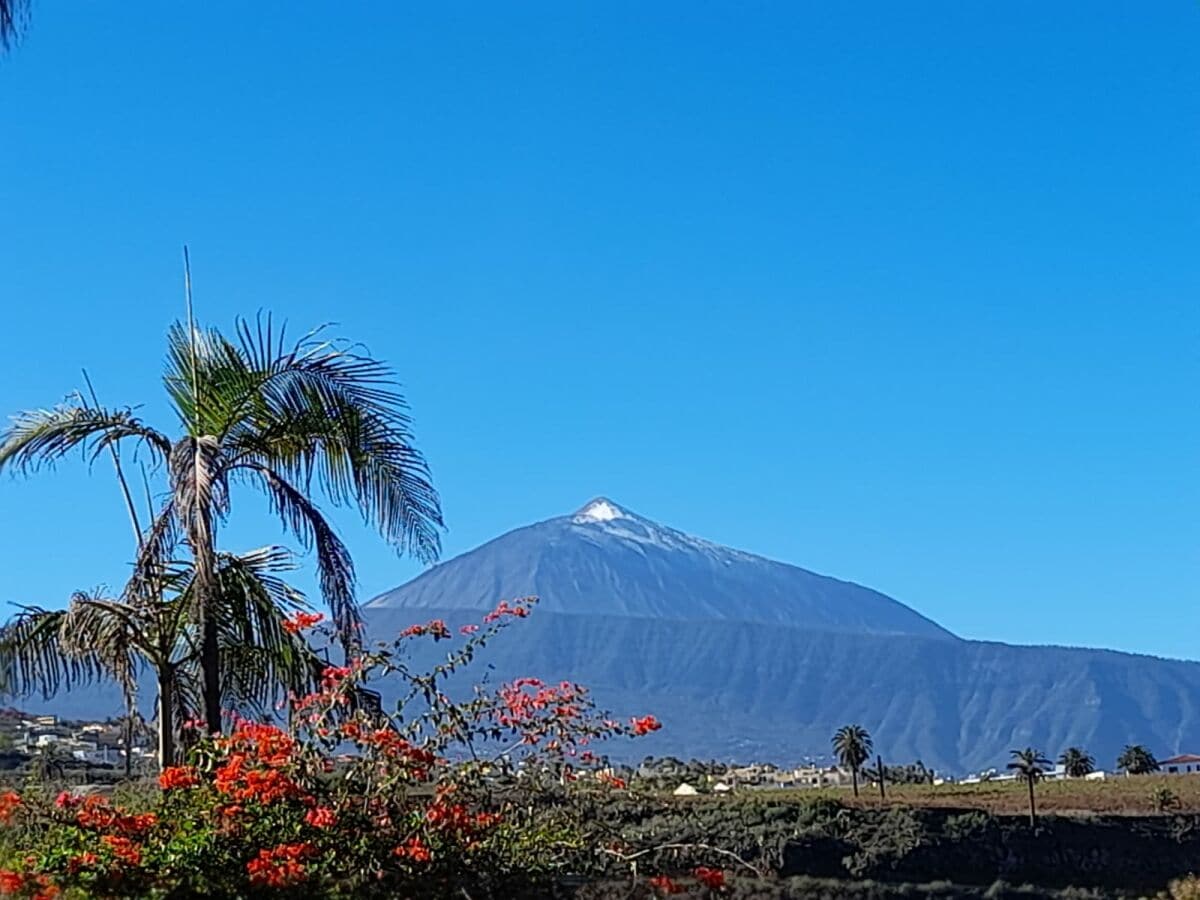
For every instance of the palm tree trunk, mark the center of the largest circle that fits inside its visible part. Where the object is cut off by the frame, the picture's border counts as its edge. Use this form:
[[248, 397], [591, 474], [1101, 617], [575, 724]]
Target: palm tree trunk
[[210, 663], [166, 717], [854, 779], [1032, 808], [129, 745]]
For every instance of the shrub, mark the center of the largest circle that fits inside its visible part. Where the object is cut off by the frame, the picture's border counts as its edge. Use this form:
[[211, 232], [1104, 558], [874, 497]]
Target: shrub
[[435, 799], [1164, 799]]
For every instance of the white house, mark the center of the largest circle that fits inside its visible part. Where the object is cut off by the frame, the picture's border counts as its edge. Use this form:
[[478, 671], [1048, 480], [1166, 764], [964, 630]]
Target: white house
[[1184, 764]]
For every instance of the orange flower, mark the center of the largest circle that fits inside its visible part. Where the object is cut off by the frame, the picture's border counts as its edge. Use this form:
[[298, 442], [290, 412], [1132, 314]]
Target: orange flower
[[10, 801], [280, 866], [15, 883], [645, 725], [178, 778], [123, 849], [301, 621]]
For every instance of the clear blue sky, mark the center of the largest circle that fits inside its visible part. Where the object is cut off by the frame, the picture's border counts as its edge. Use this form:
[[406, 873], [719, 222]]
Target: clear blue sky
[[904, 293]]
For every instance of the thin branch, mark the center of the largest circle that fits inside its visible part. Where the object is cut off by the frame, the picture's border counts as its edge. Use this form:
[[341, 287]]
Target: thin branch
[[116, 458], [707, 848]]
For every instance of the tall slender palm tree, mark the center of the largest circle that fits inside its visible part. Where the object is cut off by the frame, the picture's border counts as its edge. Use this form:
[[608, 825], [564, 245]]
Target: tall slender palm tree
[[852, 746], [1137, 760], [282, 418], [1029, 765], [44, 651], [1077, 762]]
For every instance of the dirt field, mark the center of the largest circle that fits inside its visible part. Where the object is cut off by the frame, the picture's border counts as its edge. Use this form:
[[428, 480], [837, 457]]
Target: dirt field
[[1118, 795]]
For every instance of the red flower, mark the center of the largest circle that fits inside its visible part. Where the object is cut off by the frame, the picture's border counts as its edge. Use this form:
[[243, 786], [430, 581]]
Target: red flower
[[67, 800], [437, 629], [301, 621], [10, 801], [468, 629], [414, 849], [321, 817], [177, 778], [83, 860], [280, 866], [711, 878], [16, 883], [665, 885], [645, 725]]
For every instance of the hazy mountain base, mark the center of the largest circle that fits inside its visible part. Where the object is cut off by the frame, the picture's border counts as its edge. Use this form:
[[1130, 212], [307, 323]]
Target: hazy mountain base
[[738, 691]]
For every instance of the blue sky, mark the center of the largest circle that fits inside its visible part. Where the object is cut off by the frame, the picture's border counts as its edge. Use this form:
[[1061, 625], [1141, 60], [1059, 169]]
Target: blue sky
[[904, 293]]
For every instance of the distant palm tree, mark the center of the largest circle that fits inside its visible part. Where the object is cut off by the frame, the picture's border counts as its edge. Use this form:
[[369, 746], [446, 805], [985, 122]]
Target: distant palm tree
[[284, 419], [1137, 760], [1077, 762], [852, 745], [1029, 765]]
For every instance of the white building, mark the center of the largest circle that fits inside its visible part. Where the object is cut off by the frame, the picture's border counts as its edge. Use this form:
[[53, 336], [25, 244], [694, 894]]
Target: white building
[[1184, 764]]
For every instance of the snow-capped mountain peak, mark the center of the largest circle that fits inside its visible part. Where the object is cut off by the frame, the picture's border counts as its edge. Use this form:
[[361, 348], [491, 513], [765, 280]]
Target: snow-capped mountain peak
[[600, 510], [605, 560]]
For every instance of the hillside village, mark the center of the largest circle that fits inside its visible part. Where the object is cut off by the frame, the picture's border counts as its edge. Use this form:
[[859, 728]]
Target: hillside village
[[26, 738]]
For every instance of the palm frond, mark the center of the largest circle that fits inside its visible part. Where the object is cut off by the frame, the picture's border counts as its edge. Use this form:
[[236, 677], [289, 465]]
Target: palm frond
[[335, 567], [13, 14], [34, 659], [153, 564], [321, 410], [43, 436], [112, 634]]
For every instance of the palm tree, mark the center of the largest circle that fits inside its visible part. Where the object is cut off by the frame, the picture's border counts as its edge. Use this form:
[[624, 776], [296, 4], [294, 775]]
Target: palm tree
[[257, 412], [1029, 765], [1077, 762], [852, 745], [1137, 760], [132, 726], [12, 15], [44, 651]]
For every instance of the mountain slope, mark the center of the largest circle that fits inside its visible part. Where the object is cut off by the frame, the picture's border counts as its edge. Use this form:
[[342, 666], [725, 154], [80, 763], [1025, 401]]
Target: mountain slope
[[743, 657], [604, 560], [735, 690]]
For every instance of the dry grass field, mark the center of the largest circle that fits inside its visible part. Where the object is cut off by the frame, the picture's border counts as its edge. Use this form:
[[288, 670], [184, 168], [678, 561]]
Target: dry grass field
[[1117, 796]]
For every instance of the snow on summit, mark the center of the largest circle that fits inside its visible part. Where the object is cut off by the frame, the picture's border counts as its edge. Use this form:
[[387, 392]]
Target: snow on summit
[[600, 510]]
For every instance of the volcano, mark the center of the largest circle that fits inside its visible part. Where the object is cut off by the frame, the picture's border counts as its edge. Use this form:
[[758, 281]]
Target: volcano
[[747, 658]]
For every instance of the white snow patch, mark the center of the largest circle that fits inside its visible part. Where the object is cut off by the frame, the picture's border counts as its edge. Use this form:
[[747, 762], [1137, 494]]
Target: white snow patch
[[600, 511]]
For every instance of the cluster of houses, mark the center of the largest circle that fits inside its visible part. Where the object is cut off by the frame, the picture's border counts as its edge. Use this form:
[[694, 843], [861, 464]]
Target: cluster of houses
[[766, 776], [761, 776], [101, 744]]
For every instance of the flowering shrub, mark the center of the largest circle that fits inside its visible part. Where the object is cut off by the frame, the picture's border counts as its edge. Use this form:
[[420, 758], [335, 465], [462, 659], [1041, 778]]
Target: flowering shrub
[[438, 798]]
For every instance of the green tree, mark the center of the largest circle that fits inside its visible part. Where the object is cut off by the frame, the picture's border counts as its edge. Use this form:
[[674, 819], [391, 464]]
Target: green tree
[[1029, 765], [282, 418], [852, 746], [1077, 762], [1136, 760], [45, 651]]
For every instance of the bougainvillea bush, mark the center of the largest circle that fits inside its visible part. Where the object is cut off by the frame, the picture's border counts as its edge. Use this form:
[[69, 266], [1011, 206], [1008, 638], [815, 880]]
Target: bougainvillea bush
[[437, 798]]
